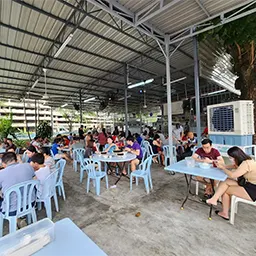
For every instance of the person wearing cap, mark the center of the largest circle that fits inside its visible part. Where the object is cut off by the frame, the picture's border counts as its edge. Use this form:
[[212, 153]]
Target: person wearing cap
[[31, 150]]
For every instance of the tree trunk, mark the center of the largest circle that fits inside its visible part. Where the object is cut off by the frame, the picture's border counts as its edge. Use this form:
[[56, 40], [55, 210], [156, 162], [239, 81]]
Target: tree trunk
[[244, 59]]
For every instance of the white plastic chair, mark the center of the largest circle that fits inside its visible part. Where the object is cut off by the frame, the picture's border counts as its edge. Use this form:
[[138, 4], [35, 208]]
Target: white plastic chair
[[149, 151], [26, 195], [167, 154], [49, 191], [77, 153], [60, 166], [234, 206]]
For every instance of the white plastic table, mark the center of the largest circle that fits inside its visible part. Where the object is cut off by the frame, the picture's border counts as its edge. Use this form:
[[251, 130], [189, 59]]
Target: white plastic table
[[211, 173], [112, 158], [70, 241]]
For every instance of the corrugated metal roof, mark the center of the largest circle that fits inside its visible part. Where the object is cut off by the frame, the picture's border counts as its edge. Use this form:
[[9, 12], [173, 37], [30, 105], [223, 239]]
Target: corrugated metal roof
[[94, 59]]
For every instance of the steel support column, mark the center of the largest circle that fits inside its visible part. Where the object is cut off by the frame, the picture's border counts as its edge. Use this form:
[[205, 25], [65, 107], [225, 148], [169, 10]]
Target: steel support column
[[126, 80], [80, 106], [197, 92], [35, 116], [52, 120], [169, 98]]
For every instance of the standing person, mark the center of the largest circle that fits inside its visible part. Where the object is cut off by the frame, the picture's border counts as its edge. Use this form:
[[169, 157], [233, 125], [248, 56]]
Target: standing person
[[102, 139], [42, 171], [12, 174], [207, 154], [244, 170], [81, 132], [178, 132]]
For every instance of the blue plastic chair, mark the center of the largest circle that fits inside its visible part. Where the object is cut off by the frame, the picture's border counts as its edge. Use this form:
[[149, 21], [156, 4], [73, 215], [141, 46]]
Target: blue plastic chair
[[54, 157], [26, 195], [144, 156], [76, 156], [24, 157], [49, 191], [145, 173], [60, 166], [149, 151], [89, 165]]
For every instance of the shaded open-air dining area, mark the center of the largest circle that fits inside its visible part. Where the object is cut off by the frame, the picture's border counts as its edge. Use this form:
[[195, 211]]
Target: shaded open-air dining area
[[127, 127]]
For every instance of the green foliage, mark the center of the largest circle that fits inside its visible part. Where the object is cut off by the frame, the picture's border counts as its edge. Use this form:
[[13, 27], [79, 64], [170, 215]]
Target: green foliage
[[21, 143], [241, 31], [44, 130], [6, 127], [71, 117]]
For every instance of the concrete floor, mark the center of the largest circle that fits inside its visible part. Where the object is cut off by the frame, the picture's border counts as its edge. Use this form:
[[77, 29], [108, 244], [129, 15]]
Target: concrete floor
[[162, 229]]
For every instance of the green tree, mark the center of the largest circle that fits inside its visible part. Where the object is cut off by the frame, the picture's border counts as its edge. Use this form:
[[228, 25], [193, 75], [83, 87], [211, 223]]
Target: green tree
[[238, 38], [44, 130], [6, 127], [71, 117]]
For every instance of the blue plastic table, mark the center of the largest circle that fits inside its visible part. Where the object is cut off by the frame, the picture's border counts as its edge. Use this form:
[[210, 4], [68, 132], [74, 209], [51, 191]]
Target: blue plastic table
[[112, 158], [70, 241], [211, 173]]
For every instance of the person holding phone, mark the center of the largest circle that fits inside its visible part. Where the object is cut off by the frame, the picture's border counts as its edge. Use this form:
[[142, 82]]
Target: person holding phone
[[207, 154]]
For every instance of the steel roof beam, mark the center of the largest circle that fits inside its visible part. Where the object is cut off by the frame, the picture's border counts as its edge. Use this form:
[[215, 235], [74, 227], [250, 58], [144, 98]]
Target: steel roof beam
[[147, 14], [77, 19], [203, 26], [121, 30], [91, 84], [124, 14], [83, 29], [201, 5]]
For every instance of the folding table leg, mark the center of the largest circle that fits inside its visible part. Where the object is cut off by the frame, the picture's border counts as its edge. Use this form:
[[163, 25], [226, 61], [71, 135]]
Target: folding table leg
[[188, 181]]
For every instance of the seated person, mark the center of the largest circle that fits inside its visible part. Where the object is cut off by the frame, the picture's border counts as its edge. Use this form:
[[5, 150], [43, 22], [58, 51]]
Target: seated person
[[110, 146], [10, 145], [48, 160], [55, 150], [188, 146], [157, 148], [65, 141], [134, 148], [36, 143], [31, 150], [90, 149], [42, 171], [207, 154], [12, 174], [243, 166], [138, 138]]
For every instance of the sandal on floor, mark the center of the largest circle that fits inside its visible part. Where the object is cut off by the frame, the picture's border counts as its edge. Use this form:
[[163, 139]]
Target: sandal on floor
[[217, 212]]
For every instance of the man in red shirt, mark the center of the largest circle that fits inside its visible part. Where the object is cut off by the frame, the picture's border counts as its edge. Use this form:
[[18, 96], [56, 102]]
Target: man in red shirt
[[207, 154]]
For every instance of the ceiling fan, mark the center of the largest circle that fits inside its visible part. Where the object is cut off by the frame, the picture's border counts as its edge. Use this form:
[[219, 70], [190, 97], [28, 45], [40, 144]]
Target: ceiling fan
[[45, 96]]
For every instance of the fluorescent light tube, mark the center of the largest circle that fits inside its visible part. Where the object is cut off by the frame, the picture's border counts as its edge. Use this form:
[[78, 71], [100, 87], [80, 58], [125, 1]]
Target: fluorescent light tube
[[63, 106], [35, 83], [129, 96], [216, 92], [141, 83], [87, 100], [63, 46], [177, 80]]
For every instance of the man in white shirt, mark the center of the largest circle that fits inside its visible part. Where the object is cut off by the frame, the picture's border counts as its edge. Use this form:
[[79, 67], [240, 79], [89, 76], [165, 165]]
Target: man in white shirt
[[178, 132], [41, 171]]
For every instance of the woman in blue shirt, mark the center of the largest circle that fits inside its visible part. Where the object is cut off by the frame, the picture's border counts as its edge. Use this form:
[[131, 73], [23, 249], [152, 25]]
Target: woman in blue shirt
[[110, 146]]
